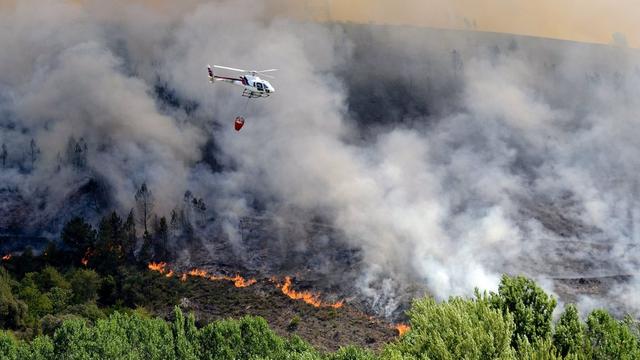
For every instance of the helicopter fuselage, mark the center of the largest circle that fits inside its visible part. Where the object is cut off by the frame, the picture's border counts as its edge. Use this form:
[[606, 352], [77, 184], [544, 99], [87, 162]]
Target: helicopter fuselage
[[254, 86]]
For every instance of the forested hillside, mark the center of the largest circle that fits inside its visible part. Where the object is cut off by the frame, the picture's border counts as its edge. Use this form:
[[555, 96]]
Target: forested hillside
[[93, 298]]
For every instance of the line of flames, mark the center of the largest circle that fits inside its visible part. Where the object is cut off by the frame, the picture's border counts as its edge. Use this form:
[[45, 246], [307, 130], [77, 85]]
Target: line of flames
[[306, 296], [7, 257], [238, 281]]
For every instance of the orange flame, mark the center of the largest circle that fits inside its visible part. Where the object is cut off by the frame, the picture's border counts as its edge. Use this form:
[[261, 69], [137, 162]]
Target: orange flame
[[402, 329], [169, 274], [198, 273], [85, 258], [159, 267], [7, 257], [306, 296], [238, 281], [183, 278]]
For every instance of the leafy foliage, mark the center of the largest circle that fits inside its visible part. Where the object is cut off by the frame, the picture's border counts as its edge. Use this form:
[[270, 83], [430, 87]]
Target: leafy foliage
[[456, 329], [609, 338], [530, 306], [568, 337], [57, 311]]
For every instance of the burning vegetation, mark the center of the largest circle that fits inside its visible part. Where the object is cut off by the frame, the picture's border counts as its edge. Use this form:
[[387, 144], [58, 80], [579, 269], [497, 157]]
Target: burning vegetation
[[158, 267], [306, 296], [6, 257], [85, 259], [238, 281], [402, 329]]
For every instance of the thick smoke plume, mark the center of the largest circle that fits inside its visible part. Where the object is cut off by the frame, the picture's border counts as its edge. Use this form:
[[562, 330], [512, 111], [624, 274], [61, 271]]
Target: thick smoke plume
[[445, 158]]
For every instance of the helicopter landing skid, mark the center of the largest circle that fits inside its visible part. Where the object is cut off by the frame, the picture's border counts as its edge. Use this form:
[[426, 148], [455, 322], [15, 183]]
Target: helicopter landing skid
[[253, 95]]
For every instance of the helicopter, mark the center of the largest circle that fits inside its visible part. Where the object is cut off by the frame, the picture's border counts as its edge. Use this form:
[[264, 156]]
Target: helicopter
[[253, 85]]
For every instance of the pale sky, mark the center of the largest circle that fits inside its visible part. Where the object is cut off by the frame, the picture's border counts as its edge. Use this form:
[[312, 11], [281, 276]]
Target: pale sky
[[580, 20]]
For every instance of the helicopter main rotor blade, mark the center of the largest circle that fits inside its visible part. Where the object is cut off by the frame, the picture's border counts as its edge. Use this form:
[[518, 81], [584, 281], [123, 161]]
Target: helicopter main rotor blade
[[264, 71], [229, 68]]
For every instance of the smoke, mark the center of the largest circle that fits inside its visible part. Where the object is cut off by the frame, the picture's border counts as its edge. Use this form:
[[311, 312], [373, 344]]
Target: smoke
[[446, 158]]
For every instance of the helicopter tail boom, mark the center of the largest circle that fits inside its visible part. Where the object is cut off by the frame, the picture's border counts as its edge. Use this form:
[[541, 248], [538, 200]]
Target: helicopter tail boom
[[213, 78]]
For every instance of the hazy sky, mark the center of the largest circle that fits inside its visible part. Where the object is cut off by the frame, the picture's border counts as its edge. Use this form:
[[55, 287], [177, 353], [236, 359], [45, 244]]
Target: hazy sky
[[580, 20]]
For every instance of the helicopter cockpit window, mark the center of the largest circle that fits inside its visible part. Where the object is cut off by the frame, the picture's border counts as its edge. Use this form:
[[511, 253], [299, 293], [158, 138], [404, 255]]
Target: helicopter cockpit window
[[259, 86]]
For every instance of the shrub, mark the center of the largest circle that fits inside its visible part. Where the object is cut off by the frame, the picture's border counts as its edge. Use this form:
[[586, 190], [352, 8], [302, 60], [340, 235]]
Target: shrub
[[456, 329]]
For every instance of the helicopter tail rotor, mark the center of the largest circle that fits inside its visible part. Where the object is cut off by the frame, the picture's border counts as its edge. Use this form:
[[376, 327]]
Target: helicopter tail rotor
[[211, 77]]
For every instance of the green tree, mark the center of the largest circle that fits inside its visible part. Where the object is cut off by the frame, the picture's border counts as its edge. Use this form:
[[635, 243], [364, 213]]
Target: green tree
[[79, 237], [109, 251], [49, 278], [568, 336], [220, 340], [186, 346], [108, 292], [129, 237], [60, 298], [144, 203], [609, 338], [257, 339], [146, 252], [40, 348], [530, 306], [73, 340], [8, 346], [540, 350], [38, 304], [456, 329], [162, 240], [50, 323], [13, 312], [352, 353], [85, 284]]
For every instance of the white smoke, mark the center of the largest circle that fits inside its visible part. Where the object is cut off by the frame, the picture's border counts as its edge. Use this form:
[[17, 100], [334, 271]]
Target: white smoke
[[442, 199]]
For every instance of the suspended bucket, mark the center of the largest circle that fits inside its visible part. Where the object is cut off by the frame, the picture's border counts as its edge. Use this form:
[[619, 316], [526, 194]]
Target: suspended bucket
[[239, 123]]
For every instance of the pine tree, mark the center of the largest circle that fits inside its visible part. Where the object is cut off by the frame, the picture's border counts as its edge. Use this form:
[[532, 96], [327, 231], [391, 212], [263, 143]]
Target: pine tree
[[3, 155], [185, 349], [146, 252], [129, 238], [568, 337], [79, 237], [34, 151], [162, 236], [144, 203]]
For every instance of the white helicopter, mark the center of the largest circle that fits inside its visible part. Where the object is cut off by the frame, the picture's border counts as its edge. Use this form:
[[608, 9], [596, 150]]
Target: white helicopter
[[254, 87]]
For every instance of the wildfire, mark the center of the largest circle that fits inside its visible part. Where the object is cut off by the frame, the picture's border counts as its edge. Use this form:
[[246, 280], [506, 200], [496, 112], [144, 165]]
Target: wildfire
[[198, 273], [402, 328], [238, 281], [85, 258], [306, 296], [7, 257], [159, 267]]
